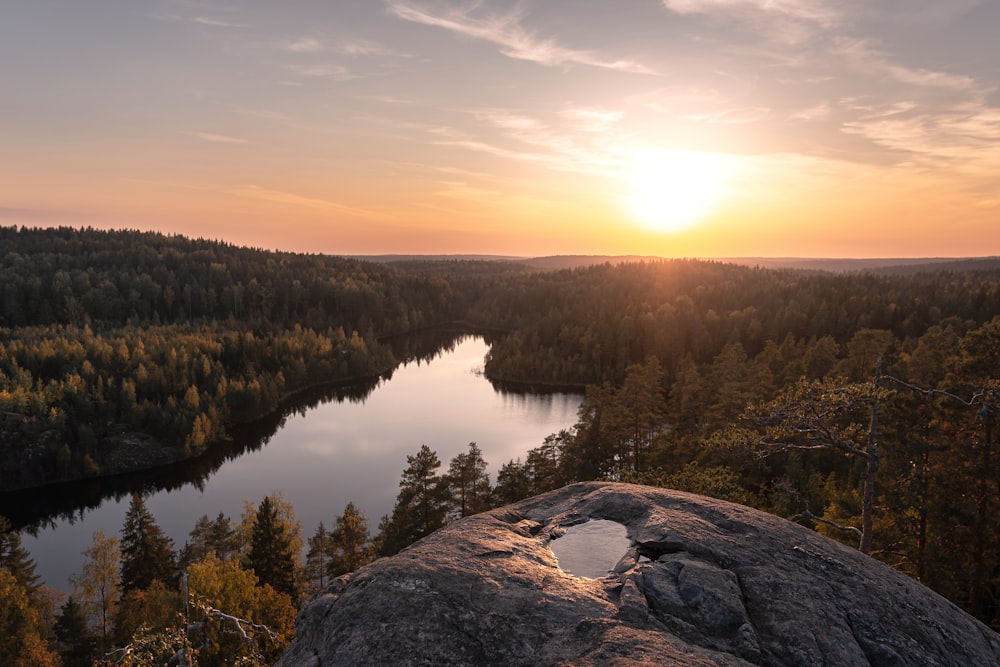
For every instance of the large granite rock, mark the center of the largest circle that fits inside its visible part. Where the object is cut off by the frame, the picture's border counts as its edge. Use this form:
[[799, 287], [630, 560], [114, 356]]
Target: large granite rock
[[705, 582]]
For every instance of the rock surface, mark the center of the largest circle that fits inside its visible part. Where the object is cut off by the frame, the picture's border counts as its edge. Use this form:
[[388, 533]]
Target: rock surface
[[705, 582]]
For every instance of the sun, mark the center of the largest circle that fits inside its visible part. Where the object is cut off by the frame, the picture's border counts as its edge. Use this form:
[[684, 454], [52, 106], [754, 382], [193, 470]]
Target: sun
[[673, 190]]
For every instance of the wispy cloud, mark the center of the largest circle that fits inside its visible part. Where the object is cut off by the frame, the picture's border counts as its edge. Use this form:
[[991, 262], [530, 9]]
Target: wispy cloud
[[218, 23], [592, 120], [736, 116], [569, 146], [336, 72], [364, 47], [305, 45], [513, 39], [785, 22], [353, 47], [811, 11], [818, 112], [963, 138], [217, 138], [862, 56], [281, 197]]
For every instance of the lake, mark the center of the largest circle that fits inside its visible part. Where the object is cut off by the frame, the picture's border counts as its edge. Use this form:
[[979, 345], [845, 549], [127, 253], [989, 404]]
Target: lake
[[344, 446]]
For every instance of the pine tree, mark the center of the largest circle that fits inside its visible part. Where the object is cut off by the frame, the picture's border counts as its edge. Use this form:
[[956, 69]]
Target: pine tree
[[15, 559], [350, 541], [319, 559], [76, 644], [271, 556], [421, 504], [146, 553], [208, 535], [469, 483], [513, 483]]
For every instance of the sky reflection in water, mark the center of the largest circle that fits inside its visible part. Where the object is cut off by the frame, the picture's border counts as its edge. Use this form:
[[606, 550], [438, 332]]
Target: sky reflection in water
[[342, 452]]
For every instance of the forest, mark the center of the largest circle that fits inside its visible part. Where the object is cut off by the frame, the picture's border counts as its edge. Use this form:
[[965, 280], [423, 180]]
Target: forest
[[862, 404]]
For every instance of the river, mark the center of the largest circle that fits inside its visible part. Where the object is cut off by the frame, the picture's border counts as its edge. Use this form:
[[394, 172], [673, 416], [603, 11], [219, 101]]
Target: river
[[339, 447]]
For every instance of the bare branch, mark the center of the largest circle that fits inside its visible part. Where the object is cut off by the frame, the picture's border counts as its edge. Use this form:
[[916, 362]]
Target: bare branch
[[806, 514], [937, 392]]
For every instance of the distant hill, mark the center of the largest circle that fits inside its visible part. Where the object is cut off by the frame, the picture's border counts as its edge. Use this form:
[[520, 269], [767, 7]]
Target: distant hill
[[881, 265], [886, 265]]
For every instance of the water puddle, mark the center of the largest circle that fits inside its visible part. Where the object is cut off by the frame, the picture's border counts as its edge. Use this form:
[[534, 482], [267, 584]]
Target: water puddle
[[591, 549]]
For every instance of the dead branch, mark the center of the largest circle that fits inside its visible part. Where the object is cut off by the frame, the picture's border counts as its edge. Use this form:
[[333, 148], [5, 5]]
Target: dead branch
[[806, 514]]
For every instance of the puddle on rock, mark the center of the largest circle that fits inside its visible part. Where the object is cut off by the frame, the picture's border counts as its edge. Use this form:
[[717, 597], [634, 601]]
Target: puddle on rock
[[591, 549]]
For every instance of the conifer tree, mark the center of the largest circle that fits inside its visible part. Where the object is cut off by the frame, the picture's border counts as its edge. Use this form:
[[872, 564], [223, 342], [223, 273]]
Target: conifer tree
[[211, 535], [421, 504], [513, 483], [350, 540], [319, 559], [15, 559], [146, 553], [468, 482], [271, 556], [76, 643]]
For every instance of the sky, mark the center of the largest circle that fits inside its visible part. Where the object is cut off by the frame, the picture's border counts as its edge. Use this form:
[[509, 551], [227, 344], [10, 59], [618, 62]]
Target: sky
[[693, 128]]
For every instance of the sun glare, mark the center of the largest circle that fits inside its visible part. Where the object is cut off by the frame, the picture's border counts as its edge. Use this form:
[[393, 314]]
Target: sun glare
[[672, 190]]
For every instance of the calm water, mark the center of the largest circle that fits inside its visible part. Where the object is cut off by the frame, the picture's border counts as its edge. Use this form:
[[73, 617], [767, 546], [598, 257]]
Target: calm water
[[323, 457]]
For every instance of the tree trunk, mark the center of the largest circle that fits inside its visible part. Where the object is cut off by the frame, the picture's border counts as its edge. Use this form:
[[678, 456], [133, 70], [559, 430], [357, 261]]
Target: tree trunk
[[871, 471]]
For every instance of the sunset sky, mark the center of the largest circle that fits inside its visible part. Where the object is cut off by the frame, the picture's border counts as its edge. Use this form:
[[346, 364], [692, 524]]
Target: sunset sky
[[709, 128]]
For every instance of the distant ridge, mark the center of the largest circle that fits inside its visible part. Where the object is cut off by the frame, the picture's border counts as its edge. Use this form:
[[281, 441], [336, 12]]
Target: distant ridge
[[893, 265], [389, 259], [881, 265]]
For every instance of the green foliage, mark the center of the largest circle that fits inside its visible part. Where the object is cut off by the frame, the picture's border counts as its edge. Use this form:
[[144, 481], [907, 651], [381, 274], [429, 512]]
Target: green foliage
[[271, 555], [715, 481], [147, 555], [468, 482], [512, 485], [120, 350], [74, 640], [151, 609], [319, 560], [232, 607], [217, 536], [421, 505], [350, 541], [15, 559]]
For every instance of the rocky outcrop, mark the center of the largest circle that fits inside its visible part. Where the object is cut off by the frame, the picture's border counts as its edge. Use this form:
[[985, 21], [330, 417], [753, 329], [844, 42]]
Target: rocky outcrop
[[704, 582]]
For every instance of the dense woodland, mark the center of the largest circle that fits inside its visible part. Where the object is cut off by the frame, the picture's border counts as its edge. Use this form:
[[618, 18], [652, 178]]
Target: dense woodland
[[863, 404]]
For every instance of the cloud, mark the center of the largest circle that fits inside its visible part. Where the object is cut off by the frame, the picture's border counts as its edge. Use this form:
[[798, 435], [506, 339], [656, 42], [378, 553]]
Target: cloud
[[305, 45], [576, 146], [337, 72], [592, 120], [364, 47], [514, 41], [964, 138], [257, 192], [818, 112], [217, 138], [785, 22], [737, 116], [859, 54], [218, 23], [810, 11]]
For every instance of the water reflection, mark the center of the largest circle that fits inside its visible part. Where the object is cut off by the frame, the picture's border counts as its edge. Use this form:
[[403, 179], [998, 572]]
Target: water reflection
[[591, 549], [329, 447], [31, 509]]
